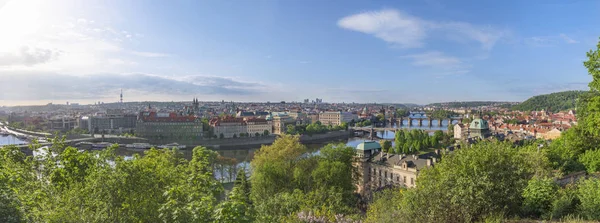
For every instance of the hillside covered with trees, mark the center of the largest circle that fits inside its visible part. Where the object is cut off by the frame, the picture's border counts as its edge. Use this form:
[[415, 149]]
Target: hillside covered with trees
[[467, 104], [554, 102]]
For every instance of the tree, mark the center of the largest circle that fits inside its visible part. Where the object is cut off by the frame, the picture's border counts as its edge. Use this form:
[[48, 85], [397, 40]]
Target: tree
[[221, 136], [593, 66], [266, 133], [386, 146], [257, 134], [538, 196], [591, 160], [291, 130], [287, 180], [469, 185], [588, 193], [234, 136], [385, 208]]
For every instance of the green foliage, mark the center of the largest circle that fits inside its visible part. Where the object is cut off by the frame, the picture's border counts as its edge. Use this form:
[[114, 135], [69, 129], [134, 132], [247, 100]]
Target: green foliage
[[469, 185], [564, 204], [385, 207], [286, 181], [386, 146], [402, 112], [538, 196], [591, 160], [413, 141], [593, 66], [589, 195], [554, 102], [67, 185], [588, 113], [363, 123], [314, 128], [564, 151], [440, 114]]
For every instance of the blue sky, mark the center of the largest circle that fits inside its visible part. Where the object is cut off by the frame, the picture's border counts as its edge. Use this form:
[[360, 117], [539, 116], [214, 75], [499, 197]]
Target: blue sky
[[341, 51]]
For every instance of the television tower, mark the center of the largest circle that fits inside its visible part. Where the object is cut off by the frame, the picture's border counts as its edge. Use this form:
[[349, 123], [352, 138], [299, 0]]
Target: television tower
[[121, 96]]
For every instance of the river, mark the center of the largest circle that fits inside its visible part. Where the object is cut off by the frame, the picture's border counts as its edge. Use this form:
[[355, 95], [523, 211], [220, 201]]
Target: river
[[10, 140]]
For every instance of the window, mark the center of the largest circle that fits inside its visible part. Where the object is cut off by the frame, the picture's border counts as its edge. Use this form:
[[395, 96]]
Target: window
[[404, 179], [412, 181]]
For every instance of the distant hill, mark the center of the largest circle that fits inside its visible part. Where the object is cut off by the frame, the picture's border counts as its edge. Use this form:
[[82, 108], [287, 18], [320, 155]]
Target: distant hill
[[555, 102], [467, 104]]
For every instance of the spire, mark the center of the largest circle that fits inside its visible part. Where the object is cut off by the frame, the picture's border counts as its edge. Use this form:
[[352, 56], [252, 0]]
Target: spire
[[121, 95]]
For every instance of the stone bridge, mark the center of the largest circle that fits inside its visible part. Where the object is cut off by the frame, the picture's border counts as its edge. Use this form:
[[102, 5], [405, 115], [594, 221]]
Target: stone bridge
[[428, 121]]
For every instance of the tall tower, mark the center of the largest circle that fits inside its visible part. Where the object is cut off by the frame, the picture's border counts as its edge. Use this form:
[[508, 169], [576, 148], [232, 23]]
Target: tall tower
[[121, 96]]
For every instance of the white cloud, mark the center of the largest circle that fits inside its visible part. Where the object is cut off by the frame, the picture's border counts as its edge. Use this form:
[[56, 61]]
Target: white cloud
[[434, 59], [28, 56], [54, 86], [544, 41], [567, 39], [389, 25], [149, 54], [408, 31], [438, 63]]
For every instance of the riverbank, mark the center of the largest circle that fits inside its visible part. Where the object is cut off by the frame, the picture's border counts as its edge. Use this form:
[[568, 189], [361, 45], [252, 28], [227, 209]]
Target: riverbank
[[234, 143]]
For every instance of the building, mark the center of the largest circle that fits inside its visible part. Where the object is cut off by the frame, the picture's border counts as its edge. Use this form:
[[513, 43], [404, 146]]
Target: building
[[280, 121], [111, 123], [459, 131], [258, 126], [62, 123], [550, 135], [479, 128], [379, 170], [336, 118], [168, 126], [228, 126], [231, 127]]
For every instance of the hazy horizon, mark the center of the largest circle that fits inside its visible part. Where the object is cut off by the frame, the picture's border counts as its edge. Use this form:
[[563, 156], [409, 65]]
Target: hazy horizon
[[342, 51]]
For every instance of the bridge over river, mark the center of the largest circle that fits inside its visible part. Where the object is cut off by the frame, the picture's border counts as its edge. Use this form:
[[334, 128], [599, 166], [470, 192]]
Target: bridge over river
[[425, 121]]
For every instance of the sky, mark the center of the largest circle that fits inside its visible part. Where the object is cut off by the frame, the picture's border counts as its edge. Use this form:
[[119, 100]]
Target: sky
[[265, 50]]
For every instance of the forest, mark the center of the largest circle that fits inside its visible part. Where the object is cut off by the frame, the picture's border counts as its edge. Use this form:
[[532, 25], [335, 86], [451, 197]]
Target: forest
[[554, 102]]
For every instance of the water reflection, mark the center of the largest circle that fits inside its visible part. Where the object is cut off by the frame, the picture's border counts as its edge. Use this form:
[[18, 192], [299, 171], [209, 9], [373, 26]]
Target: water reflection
[[238, 158], [10, 140]]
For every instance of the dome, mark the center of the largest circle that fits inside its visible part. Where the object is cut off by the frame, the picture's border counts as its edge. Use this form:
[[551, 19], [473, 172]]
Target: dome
[[479, 124], [369, 145]]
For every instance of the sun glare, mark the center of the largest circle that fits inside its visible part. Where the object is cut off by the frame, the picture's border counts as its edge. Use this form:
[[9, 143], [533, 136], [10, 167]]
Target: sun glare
[[18, 20]]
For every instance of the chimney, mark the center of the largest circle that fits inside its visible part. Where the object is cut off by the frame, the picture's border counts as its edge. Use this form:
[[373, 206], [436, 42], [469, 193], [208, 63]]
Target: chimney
[[429, 162], [434, 160], [437, 152]]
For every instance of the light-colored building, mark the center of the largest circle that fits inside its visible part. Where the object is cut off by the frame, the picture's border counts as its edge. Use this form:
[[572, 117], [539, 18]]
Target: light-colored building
[[459, 129], [230, 126], [258, 125], [550, 135], [336, 118], [280, 123], [379, 170]]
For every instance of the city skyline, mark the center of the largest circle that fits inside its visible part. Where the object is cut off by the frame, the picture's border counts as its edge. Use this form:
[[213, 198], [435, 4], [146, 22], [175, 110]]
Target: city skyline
[[343, 51]]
